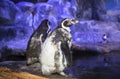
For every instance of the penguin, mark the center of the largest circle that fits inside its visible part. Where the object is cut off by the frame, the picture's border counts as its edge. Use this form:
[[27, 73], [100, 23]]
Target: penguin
[[105, 38], [35, 42], [55, 55]]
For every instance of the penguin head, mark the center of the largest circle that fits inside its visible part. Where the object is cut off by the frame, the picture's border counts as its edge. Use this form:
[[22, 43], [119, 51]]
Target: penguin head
[[46, 25], [68, 22], [43, 28]]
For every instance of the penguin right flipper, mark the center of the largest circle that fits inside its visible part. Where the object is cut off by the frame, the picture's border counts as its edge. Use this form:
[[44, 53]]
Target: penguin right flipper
[[67, 53]]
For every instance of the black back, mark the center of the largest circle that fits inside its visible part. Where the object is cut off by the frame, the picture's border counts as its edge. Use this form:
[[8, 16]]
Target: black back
[[42, 29]]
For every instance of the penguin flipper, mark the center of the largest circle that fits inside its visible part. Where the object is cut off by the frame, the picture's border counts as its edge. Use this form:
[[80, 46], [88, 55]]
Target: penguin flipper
[[66, 51]]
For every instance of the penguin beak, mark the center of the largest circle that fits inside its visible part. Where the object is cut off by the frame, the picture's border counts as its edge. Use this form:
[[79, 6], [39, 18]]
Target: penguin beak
[[74, 21]]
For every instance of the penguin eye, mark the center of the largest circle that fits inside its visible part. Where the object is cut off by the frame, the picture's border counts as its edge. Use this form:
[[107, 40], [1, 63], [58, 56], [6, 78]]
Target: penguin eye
[[67, 23]]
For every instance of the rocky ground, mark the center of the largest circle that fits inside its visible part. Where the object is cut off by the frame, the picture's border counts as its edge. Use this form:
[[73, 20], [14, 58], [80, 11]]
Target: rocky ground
[[21, 66], [7, 73], [86, 65]]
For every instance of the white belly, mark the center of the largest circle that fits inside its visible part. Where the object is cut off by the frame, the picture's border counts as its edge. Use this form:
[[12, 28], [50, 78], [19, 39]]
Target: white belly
[[47, 57]]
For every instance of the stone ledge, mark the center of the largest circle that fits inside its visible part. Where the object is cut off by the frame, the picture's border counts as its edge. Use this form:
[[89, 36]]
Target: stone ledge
[[6, 73]]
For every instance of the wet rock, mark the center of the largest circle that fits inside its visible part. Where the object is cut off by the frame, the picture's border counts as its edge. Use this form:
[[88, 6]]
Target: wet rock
[[113, 4], [96, 32], [32, 14], [85, 67], [89, 67], [94, 49], [25, 6], [96, 36], [13, 41], [12, 54], [90, 9], [42, 11], [7, 33], [113, 15], [33, 1], [8, 12], [25, 15]]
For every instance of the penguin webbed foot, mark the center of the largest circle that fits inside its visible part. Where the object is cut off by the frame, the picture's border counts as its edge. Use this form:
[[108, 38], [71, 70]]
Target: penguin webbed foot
[[65, 75]]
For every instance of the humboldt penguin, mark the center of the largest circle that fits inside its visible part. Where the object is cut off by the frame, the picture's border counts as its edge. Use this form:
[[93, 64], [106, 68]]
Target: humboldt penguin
[[55, 55], [35, 42]]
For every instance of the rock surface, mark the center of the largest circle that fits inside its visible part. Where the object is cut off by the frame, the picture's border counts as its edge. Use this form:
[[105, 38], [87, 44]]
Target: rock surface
[[7, 73], [85, 66], [90, 9], [33, 1], [8, 11], [96, 32]]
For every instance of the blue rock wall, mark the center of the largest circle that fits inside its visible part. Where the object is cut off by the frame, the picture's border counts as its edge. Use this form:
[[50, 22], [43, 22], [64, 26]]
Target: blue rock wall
[[22, 18]]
